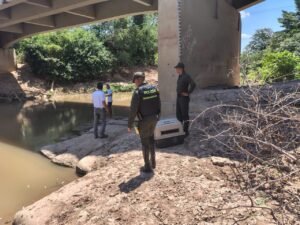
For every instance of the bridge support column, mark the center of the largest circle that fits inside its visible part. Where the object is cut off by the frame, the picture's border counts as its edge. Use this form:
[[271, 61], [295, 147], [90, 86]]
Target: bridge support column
[[7, 60], [206, 36]]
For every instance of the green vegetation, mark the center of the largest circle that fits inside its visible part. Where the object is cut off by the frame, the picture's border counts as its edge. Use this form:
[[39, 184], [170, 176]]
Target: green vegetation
[[90, 52], [272, 57], [118, 87]]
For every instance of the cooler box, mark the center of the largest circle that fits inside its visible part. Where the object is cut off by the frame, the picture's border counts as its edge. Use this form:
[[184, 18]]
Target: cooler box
[[168, 132]]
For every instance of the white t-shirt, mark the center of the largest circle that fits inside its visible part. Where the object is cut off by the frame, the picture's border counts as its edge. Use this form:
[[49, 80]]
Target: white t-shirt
[[109, 93], [98, 99]]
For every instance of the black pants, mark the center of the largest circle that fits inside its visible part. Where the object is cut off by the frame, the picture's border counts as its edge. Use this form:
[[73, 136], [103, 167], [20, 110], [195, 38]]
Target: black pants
[[99, 114], [109, 106], [182, 111], [146, 129]]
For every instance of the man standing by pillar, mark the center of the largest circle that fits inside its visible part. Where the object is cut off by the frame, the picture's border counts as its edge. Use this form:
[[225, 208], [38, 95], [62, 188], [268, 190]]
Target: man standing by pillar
[[145, 105], [185, 86]]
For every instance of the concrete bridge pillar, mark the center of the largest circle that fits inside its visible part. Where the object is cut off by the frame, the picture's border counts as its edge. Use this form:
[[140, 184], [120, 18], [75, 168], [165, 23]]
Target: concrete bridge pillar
[[206, 36], [7, 60]]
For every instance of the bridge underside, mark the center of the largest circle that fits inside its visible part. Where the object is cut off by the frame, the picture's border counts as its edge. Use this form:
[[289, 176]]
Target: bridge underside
[[204, 34], [22, 18]]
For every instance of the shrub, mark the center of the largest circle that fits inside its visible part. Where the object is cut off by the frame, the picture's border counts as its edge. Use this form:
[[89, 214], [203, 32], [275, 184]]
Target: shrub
[[119, 87], [279, 66], [74, 55]]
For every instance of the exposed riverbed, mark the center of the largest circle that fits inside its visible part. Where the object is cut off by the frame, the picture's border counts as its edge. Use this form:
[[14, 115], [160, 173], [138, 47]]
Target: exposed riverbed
[[25, 175]]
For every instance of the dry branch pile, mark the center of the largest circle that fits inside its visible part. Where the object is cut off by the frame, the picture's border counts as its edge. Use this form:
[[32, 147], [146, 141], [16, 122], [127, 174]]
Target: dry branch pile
[[263, 133]]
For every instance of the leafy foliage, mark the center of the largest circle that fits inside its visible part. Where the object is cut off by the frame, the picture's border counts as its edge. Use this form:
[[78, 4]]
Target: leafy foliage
[[260, 40], [133, 40], [74, 55], [272, 57], [279, 66], [87, 53]]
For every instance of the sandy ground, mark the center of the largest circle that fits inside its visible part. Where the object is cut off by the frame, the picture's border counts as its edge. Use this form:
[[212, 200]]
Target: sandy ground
[[186, 188]]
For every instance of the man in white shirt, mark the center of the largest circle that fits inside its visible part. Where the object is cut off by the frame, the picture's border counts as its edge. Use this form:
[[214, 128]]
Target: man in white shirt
[[100, 109], [109, 95]]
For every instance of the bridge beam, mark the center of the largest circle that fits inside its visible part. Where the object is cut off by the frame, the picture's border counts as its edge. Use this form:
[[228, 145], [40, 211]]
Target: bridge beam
[[144, 2], [17, 28], [23, 13], [7, 4], [87, 12], [44, 22], [41, 3], [5, 14]]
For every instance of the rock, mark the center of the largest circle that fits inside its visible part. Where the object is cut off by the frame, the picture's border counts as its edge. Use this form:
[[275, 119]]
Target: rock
[[83, 216], [70, 152], [89, 164], [219, 161]]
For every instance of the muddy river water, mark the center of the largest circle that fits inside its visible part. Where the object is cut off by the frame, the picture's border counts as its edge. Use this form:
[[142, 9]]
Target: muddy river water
[[25, 175]]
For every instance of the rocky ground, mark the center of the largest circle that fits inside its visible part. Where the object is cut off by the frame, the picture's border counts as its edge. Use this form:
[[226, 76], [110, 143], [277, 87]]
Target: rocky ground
[[188, 187]]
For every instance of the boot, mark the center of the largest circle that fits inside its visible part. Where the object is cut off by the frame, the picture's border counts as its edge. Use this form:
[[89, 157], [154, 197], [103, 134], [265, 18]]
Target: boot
[[153, 161], [146, 168], [186, 125], [152, 152]]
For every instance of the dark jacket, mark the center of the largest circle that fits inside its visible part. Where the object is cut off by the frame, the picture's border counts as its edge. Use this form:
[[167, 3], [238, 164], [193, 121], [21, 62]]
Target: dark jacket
[[138, 106], [185, 84]]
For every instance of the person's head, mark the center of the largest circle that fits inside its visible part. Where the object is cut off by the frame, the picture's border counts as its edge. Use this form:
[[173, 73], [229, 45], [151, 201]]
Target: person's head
[[100, 86], [138, 78], [179, 68], [107, 86]]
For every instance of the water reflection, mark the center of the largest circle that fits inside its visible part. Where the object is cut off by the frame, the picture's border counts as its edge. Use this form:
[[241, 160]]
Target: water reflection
[[26, 176], [32, 127]]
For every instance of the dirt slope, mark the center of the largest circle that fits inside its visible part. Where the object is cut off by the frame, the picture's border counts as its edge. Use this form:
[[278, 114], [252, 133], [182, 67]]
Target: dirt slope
[[184, 190]]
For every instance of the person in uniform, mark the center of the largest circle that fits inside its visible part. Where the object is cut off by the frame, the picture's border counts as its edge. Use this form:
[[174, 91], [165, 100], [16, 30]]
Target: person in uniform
[[185, 86], [145, 105]]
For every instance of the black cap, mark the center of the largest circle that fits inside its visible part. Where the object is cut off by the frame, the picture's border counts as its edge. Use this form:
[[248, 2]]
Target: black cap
[[179, 65], [137, 75]]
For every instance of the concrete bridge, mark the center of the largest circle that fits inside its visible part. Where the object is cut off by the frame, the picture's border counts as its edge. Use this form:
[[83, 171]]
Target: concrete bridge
[[204, 34]]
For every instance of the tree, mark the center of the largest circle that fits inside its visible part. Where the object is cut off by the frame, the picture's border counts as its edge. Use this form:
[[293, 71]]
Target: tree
[[280, 66], [73, 55], [139, 20], [275, 56], [297, 2], [133, 40], [86, 53], [291, 20], [260, 40]]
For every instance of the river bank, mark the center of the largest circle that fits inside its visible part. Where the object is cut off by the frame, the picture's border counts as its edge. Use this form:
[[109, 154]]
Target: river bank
[[193, 183], [188, 187], [27, 126], [22, 85]]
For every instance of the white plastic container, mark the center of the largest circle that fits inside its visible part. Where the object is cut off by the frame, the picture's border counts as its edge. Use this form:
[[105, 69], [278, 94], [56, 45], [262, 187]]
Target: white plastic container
[[168, 132]]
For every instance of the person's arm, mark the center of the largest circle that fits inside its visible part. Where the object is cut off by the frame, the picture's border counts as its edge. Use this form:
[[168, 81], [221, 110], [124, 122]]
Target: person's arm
[[133, 110], [192, 85]]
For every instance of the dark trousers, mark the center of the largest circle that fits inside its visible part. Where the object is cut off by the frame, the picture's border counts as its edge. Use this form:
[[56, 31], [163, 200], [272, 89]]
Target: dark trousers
[[99, 114], [182, 112], [146, 129], [109, 106]]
